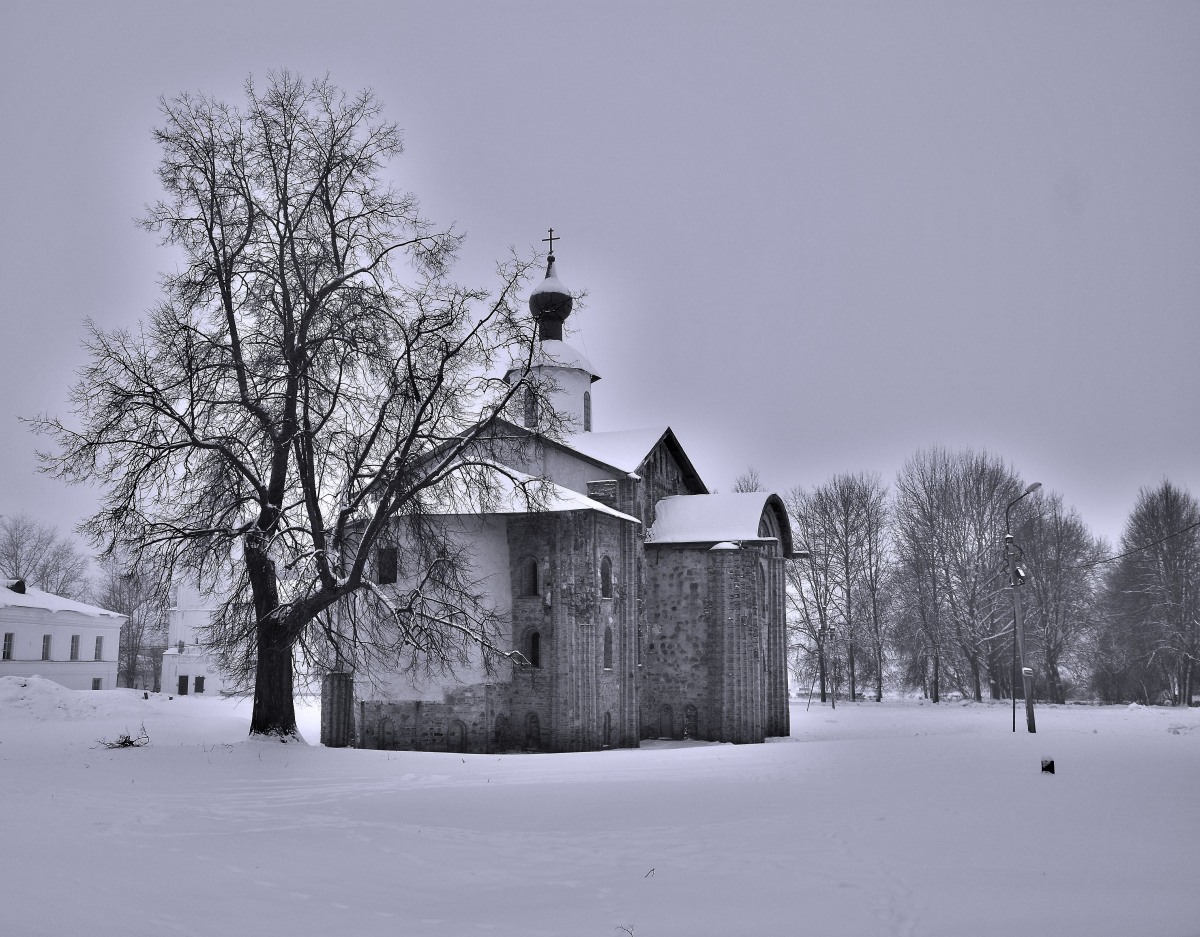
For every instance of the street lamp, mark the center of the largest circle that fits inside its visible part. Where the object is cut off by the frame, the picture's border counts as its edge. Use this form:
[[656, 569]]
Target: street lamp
[[1015, 578]]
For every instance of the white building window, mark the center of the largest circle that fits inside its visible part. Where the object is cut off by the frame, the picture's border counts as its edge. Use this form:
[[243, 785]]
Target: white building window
[[45, 647], [8, 645], [386, 565], [97, 683], [74, 647], [99, 647]]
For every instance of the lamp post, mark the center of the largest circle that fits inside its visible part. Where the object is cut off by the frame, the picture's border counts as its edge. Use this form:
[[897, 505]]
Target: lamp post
[[1015, 578]]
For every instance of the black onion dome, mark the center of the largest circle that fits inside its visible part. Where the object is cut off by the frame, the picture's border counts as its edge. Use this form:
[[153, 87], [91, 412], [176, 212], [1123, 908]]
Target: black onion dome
[[550, 302]]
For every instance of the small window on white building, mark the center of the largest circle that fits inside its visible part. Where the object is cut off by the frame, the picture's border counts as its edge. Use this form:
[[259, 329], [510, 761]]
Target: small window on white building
[[8, 645], [97, 683], [74, 647], [385, 563], [199, 684], [99, 647], [587, 411], [45, 647]]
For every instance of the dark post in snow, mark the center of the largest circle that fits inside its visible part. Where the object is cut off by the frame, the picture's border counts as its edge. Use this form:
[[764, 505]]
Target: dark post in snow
[[1015, 578]]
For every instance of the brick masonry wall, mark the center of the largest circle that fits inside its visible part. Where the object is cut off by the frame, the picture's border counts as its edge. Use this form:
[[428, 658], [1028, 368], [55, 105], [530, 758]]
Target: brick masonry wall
[[708, 662]]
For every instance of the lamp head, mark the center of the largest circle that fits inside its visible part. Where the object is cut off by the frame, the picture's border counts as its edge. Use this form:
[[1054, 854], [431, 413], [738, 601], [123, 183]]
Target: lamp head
[[1033, 487]]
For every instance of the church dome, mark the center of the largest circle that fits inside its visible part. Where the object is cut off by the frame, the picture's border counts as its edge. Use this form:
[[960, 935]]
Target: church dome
[[550, 303]]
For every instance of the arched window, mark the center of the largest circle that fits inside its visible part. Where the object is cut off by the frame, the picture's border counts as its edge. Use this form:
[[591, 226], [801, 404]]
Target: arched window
[[608, 657], [606, 588], [529, 577], [533, 649], [456, 737], [606, 730], [533, 733], [530, 408], [587, 411], [500, 734]]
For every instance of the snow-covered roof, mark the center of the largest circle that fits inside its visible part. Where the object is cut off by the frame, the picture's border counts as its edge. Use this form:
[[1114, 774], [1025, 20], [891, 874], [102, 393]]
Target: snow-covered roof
[[622, 449], [506, 496], [36, 598], [553, 353], [733, 517]]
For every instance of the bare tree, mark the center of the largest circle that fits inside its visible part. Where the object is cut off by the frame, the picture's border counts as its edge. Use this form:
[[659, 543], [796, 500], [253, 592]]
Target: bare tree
[[921, 494], [810, 584], [748, 481], [1063, 588], [139, 595], [1153, 599], [310, 377], [950, 517], [41, 556]]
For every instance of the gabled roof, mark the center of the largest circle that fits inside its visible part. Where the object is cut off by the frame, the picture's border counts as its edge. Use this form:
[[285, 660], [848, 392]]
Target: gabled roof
[[46, 601], [732, 517], [626, 450], [513, 492]]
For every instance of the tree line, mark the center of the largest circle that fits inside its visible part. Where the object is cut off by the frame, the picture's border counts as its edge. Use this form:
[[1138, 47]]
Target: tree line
[[907, 586]]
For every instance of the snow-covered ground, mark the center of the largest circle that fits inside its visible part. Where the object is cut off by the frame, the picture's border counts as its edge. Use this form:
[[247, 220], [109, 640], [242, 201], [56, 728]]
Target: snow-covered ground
[[899, 818]]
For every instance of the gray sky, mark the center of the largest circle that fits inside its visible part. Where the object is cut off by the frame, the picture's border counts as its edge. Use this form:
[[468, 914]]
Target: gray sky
[[814, 236]]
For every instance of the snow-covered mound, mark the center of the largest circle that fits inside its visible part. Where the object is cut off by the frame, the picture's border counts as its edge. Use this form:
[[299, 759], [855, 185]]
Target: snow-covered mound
[[44, 699]]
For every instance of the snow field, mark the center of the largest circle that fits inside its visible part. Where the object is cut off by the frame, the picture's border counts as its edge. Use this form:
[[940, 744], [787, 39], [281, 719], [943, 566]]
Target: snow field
[[898, 818]]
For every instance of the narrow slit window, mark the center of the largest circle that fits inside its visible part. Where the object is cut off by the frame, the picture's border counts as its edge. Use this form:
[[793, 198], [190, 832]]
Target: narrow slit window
[[529, 577], [385, 562]]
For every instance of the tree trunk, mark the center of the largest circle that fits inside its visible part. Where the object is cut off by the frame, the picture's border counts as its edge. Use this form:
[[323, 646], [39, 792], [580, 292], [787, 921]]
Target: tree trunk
[[274, 709], [936, 695], [878, 674]]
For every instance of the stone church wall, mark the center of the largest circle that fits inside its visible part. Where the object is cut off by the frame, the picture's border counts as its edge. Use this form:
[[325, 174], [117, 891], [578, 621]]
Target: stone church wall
[[705, 672], [577, 675]]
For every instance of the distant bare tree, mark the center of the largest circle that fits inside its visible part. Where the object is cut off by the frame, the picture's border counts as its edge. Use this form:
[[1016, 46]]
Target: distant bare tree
[[950, 516], [810, 585], [1151, 638], [41, 556], [1062, 592], [748, 481], [921, 497], [139, 595]]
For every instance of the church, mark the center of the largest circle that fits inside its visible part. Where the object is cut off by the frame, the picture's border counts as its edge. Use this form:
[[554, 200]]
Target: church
[[642, 606]]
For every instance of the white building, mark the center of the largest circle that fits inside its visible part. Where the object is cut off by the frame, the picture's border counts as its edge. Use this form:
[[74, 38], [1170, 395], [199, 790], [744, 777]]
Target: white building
[[69, 642], [187, 666]]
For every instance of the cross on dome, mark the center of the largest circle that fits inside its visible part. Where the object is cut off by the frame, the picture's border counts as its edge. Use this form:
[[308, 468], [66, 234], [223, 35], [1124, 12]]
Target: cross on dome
[[550, 302]]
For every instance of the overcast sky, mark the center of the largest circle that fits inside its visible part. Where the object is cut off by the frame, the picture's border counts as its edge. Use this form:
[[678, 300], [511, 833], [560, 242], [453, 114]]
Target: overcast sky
[[814, 236]]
